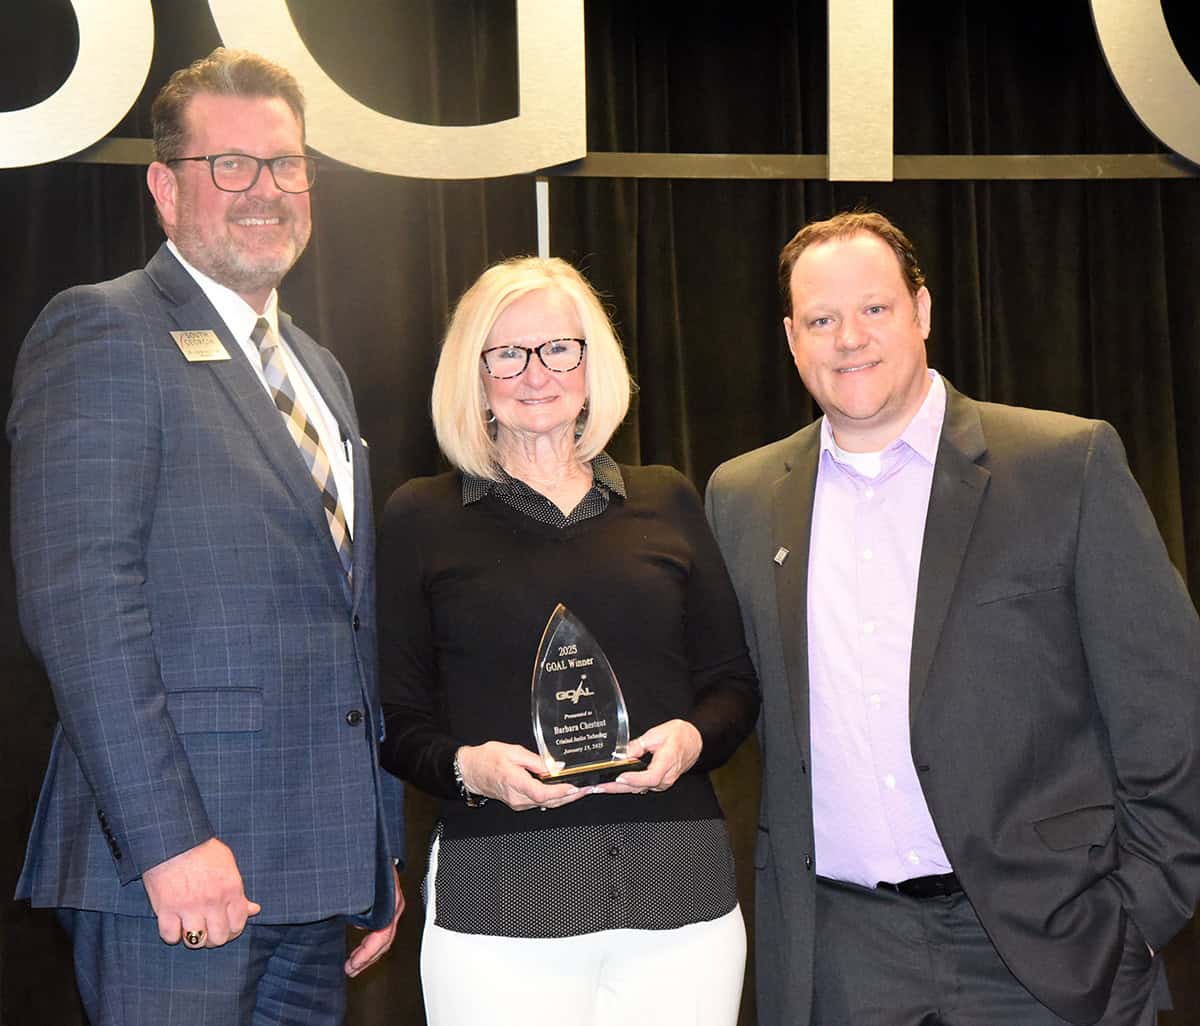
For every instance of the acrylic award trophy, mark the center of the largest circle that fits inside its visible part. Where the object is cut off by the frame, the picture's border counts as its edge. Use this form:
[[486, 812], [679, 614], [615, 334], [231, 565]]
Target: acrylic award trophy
[[579, 718]]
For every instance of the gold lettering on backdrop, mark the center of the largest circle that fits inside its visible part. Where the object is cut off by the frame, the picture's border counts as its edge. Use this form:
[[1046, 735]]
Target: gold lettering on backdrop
[[116, 42], [860, 91], [550, 129], [1148, 70]]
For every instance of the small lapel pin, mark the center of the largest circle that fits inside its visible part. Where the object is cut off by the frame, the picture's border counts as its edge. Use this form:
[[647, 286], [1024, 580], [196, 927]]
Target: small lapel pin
[[780, 556]]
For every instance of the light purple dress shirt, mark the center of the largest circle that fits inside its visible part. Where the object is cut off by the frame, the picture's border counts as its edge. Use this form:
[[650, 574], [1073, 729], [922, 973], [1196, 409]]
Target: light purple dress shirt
[[870, 819]]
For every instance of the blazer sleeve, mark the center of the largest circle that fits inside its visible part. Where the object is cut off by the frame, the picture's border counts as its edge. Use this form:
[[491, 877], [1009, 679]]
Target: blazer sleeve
[[1142, 639], [727, 696], [85, 431]]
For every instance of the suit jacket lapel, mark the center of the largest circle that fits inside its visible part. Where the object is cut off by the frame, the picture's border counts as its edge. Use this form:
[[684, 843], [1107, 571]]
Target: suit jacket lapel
[[792, 526], [958, 488], [192, 310]]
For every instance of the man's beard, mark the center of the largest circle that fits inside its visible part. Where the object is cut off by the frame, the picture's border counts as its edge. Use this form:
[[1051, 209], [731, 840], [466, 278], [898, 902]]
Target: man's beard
[[241, 269]]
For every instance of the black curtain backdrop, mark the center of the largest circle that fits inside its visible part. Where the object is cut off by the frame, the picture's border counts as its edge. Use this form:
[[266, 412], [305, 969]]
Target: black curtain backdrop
[[1077, 296]]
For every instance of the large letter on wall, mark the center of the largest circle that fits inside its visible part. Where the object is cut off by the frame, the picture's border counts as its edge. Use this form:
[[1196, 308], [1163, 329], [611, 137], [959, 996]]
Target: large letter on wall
[[116, 42], [860, 91], [550, 129], [1157, 84]]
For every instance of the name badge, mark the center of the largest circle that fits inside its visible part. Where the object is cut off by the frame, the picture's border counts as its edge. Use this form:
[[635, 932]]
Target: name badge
[[200, 346]]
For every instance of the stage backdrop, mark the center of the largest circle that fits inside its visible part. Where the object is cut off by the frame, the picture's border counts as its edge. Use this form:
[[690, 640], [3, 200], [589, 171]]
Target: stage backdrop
[[1075, 295]]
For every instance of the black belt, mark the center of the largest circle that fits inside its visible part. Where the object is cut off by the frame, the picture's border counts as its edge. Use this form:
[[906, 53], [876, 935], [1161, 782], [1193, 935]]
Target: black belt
[[925, 886]]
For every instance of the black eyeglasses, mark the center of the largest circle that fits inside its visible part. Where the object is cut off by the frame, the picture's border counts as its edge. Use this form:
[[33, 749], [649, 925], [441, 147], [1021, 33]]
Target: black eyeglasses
[[557, 354], [238, 172]]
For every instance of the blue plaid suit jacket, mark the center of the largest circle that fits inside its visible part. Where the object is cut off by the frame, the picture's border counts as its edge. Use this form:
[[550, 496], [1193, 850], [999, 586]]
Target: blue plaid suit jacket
[[214, 673]]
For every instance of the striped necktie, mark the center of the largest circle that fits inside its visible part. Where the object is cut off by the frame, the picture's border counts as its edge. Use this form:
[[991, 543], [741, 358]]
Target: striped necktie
[[304, 434]]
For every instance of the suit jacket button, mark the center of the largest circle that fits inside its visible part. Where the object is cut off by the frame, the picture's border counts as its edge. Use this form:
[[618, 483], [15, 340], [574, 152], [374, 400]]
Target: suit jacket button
[[354, 717], [355, 622], [808, 862]]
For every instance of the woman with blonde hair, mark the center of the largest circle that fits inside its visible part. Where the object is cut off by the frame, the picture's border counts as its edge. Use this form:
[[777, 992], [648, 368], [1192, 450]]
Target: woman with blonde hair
[[612, 901]]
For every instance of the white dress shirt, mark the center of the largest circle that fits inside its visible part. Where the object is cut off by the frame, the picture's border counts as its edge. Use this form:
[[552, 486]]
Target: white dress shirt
[[240, 318]]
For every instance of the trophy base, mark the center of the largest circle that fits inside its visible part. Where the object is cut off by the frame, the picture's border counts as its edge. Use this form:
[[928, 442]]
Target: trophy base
[[594, 772]]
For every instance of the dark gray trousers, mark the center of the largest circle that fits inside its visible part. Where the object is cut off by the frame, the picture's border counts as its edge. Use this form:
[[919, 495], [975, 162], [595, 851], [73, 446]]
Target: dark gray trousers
[[884, 959]]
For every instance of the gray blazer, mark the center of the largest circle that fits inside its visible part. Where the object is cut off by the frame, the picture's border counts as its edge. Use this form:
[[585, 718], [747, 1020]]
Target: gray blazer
[[1054, 698], [214, 673]]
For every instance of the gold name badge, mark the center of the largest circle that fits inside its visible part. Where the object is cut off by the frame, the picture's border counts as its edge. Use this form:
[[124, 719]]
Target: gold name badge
[[200, 346]]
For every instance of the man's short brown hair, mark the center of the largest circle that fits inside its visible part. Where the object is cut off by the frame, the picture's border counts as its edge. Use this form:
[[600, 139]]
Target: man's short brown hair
[[222, 73], [843, 226]]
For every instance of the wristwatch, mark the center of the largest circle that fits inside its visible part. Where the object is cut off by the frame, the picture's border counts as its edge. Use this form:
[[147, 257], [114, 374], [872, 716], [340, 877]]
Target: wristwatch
[[470, 797]]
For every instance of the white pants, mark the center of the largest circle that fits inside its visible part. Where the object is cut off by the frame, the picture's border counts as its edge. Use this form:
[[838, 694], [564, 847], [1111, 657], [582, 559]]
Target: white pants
[[691, 976]]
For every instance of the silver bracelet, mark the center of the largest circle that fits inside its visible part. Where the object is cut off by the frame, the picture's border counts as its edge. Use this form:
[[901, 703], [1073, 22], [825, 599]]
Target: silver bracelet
[[472, 799]]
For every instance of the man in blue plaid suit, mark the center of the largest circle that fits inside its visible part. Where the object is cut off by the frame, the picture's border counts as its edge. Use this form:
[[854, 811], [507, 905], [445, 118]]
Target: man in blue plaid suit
[[214, 812]]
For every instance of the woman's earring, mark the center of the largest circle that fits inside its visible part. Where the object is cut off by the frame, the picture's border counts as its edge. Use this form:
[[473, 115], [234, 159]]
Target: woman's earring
[[490, 418]]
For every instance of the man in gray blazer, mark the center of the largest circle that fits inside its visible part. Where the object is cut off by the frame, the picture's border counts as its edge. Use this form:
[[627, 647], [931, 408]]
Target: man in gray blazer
[[193, 544], [981, 684]]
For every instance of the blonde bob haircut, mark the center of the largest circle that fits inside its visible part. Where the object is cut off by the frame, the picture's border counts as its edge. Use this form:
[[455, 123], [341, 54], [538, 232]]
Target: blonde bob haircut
[[460, 414]]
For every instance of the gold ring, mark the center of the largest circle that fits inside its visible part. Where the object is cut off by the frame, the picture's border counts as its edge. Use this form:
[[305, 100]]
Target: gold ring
[[193, 938]]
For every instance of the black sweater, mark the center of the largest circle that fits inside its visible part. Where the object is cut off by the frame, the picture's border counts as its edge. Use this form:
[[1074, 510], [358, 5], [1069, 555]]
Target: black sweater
[[465, 591]]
